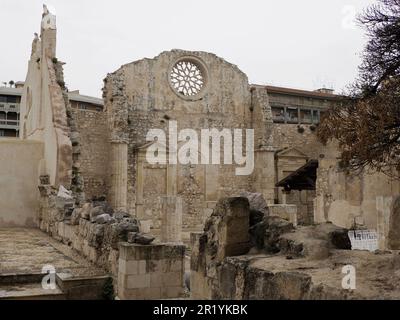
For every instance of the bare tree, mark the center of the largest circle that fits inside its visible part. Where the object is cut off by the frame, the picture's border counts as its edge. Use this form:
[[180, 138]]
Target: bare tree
[[367, 122]]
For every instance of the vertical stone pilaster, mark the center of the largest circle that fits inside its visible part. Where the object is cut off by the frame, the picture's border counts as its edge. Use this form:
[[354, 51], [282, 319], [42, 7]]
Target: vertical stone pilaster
[[171, 219], [139, 184], [119, 175], [265, 177], [383, 208]]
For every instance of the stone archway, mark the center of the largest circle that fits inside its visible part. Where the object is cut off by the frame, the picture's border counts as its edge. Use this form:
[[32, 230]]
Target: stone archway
[[394, 226]]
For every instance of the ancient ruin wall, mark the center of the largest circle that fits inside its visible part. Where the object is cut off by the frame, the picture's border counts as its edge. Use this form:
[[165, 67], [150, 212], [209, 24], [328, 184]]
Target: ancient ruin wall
[[43, 109], [139, 97], [93, 151]]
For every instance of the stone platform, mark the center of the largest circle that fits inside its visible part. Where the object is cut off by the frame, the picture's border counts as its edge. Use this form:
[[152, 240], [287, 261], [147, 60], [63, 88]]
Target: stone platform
[[23, 254]]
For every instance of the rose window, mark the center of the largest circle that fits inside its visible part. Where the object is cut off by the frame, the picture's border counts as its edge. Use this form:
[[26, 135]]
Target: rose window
[[187, 78]]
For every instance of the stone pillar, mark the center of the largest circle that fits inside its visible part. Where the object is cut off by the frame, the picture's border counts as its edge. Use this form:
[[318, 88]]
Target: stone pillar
[[119, 175], [265, 177], [153, 271], [383, 208], [171, 219]]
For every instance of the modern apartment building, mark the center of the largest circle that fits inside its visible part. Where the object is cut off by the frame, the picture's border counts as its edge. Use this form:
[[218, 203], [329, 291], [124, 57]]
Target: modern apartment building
[[10, 99]]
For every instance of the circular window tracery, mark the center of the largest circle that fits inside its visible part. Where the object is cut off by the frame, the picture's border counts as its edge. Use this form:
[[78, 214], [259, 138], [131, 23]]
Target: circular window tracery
[[187, 77]]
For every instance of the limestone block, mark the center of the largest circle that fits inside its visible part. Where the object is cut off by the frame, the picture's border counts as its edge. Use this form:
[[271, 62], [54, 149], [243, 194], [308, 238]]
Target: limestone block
[[149, 268], [138, 281]]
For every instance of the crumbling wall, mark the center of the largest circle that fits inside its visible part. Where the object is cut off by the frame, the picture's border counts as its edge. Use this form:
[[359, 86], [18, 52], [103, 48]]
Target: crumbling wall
[[93, 151], [43, 108], [138, 97], [284, 263], [348, 200], [226, 233], [287, 136], [93, 229]]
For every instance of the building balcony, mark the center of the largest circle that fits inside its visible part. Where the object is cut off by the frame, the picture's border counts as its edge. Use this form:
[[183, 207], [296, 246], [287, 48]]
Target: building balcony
[[9, 124], [9, 107]]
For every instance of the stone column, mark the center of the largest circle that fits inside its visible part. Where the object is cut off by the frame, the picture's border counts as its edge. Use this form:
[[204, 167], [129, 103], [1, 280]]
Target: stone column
[[171, 219], [265, 173], [119, 175]]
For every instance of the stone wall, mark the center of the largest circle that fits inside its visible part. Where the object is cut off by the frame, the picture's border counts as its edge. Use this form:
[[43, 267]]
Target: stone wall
[[18, 182], [139, 271], [139, 97], [94, 151], [43, 108], [96, 242], [226, 233], [347, 200]]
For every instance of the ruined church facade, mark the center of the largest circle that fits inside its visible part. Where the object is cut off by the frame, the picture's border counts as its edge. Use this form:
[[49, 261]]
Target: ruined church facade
[[103, 153]]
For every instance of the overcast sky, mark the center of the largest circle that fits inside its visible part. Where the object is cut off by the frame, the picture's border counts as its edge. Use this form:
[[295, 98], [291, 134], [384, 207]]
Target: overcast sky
[[303, 44]]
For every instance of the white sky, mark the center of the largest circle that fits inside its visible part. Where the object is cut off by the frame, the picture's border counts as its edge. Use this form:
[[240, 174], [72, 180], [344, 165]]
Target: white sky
[[303, 44]]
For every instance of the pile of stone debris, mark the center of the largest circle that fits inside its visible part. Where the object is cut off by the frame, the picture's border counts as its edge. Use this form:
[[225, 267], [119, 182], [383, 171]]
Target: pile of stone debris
[[124, 226], [97, 222]]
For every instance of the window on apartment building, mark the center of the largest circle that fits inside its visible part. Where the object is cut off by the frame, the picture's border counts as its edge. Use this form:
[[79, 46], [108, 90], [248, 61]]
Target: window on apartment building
[[292, 115], [8, 99], [305, 116], [278, 114], [295, 115], [83, 106], [315, 116], [12, 99], [2, 133]]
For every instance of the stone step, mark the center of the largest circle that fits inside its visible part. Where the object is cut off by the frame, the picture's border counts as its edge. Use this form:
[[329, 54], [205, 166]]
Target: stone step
[[30, 291], [29, 287]]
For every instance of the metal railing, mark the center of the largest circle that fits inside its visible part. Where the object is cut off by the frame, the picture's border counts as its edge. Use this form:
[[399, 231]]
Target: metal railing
[[9, 124], [9, 107]]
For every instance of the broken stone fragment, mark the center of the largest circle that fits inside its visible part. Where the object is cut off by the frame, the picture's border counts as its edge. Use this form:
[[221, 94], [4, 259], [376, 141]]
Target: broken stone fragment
[[102, 219], [64, 193], [105, 205], [118, 232], [74, 137], [96, 211], [140, 238], [274, 228], [131, 220], [85, 212], [75, 217], [340, 239], [96, 235], [255, 217], [257, 233], [257, 202], [120, 215], [46, 190]]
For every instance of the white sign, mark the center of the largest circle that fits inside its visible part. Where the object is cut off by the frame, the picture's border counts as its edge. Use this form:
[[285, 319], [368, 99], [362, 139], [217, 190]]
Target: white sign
[[364, 240]]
